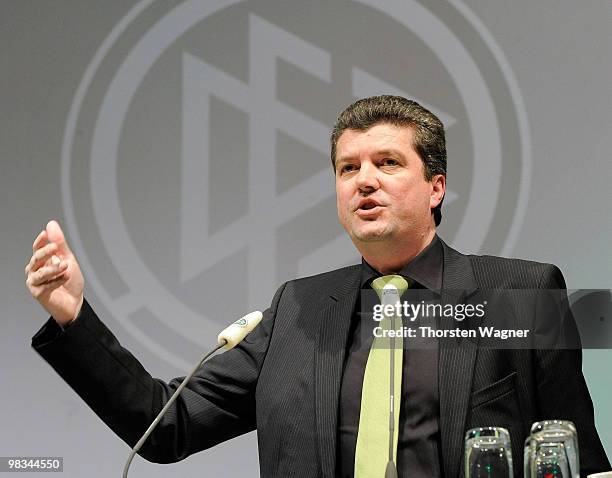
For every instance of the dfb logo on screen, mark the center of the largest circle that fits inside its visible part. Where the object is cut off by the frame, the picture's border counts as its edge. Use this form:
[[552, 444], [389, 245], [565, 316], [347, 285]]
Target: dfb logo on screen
[[180, 198]]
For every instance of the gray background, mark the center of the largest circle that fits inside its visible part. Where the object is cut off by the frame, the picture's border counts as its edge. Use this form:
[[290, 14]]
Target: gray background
[[559, 52]]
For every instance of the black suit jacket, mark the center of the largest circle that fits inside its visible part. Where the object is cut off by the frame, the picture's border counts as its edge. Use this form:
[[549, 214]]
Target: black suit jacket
[[284, 378]]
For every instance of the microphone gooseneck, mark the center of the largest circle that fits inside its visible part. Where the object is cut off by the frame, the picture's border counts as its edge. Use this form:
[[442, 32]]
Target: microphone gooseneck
[[228, 339]]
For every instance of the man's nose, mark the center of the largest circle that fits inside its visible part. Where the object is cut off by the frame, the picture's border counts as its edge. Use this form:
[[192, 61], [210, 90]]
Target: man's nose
[[367, 178]]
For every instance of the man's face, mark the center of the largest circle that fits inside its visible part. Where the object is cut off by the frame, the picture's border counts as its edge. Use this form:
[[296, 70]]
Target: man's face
[[381, 190]]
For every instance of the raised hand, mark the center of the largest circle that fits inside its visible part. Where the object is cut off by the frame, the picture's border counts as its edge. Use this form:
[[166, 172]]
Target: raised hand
[[53, 275]]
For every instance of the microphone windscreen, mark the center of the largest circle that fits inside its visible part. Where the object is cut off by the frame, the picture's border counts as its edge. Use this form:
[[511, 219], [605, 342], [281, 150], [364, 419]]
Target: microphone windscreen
[[234, 334]]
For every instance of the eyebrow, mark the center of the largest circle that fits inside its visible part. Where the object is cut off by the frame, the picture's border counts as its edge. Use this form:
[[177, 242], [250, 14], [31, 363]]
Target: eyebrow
[[389, 152], [382, 152]]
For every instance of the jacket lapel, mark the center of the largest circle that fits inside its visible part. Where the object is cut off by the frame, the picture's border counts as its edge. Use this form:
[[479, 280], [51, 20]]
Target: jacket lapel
[[334, 324], [456, 362]]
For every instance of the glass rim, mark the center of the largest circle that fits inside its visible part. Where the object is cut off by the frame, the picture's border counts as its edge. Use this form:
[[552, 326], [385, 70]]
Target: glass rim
[[551, 423], [477, 432]]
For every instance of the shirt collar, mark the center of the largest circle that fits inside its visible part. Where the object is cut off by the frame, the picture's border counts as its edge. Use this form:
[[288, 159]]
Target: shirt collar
[[425, 269]]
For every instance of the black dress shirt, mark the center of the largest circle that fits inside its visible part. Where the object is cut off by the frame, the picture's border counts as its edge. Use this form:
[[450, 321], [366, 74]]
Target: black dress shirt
[[418, 453]]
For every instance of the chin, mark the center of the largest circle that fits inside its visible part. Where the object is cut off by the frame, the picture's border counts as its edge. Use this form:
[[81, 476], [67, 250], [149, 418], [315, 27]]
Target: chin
[[371, 235]]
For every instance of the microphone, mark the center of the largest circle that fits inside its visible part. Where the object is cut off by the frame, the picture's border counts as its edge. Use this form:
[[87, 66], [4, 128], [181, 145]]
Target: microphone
[[228, 339], [233, 335]]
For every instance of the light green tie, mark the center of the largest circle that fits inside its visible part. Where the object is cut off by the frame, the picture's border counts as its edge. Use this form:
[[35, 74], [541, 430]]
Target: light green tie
[[379, 400]]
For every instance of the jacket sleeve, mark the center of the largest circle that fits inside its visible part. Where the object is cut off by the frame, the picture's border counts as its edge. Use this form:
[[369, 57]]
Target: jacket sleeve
[[216, 405], [561, 389]]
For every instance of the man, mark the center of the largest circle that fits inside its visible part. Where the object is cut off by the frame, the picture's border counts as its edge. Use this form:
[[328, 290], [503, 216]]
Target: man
[[299, 378]]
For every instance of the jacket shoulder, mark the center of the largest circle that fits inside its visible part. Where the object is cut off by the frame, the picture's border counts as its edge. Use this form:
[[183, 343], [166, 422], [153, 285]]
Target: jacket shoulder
[[494, 271], [329, 278], [313, 289]]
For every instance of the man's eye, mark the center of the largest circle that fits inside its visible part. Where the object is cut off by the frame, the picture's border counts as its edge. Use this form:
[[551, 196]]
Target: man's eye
[[347, 168], [390, 162]]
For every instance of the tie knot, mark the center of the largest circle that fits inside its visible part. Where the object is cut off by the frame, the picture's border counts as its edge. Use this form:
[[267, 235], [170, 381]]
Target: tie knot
[[392, 285]]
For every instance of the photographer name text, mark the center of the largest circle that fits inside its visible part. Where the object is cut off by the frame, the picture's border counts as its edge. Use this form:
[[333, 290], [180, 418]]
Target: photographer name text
[[430, 332]]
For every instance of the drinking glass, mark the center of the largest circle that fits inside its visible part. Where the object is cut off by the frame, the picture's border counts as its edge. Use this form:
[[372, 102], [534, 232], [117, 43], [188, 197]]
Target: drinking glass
[[488, 453], [560, 431], [552, 450]]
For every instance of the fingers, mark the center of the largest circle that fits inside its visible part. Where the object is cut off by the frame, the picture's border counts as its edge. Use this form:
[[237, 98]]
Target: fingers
[[38, 292], [55, 234], [49, 266], [46, 274], [40, 240], [40, 257]]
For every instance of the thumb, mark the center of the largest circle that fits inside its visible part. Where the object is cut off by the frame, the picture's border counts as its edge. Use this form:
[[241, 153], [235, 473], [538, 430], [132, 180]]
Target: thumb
[[55, 234]]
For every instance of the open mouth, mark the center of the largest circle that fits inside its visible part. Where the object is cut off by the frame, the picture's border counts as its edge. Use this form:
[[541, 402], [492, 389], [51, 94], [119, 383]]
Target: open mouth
[[369, 210], [368, 205]]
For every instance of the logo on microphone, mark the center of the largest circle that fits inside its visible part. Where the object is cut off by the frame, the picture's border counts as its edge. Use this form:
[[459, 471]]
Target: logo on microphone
[[195, 164], [241, 322]]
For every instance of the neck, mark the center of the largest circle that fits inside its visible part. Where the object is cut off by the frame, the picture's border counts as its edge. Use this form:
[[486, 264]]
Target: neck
[[389, 257]]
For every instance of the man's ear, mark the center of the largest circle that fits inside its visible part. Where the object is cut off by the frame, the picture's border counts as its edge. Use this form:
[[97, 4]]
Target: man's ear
[[438, 190]]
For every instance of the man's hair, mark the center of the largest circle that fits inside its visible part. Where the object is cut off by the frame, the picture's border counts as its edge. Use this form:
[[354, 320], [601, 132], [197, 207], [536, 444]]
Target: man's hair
[[428, 130]]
